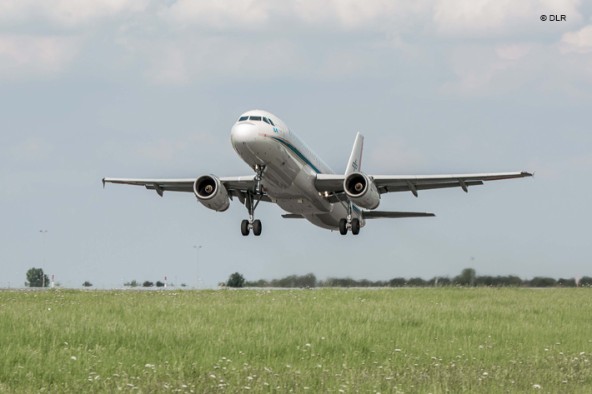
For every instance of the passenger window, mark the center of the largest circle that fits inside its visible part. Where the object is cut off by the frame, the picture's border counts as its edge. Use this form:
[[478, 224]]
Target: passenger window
[[243, 118]]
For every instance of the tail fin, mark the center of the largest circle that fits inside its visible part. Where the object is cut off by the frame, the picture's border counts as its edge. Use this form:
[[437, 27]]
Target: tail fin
[[355, 159]]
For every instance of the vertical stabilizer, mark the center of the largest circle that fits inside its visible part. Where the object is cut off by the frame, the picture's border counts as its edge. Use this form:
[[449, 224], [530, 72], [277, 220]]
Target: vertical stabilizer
[[355, 159]]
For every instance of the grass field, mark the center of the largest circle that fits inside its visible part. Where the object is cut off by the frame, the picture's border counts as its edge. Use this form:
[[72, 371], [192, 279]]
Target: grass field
[[399, 340]]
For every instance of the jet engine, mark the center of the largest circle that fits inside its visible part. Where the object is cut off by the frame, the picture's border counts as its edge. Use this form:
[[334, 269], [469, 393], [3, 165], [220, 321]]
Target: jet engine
[[211, 192], [361, 190]]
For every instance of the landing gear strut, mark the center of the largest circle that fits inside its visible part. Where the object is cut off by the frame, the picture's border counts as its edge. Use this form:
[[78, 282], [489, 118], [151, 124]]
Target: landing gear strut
[[251, 202], [349, 223]]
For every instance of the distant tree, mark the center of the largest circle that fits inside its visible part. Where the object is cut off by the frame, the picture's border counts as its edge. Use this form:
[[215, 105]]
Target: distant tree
[[540, 281], [159, 284], [510, 280], [585, 281], [87, 284], [441, 281], [235, 280], [466, 277], [308, 280], [340, 282], [147, 283], [36, 278], [295, 281], [566, 282], [258, 283], [133, 283], [416, 282], [397, 282]]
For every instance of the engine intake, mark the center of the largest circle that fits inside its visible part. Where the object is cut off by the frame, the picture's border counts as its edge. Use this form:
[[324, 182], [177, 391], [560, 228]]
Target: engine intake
[[211, 193], [361, 190]]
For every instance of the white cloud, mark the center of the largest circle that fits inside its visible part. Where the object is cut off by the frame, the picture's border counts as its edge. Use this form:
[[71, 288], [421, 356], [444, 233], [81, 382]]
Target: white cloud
[[243, 14], [197, 58], [349, 14], [494, 18], [578, 41], [192, 41], [263, 14], [42, 56], [65, 13], [512, 52]]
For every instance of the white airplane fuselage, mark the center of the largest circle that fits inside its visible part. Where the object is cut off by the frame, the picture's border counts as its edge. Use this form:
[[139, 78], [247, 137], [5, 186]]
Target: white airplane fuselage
[[290, 168], [290, 175]]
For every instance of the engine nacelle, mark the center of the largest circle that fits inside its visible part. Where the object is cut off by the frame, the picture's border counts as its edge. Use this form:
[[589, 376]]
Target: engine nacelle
[[211, 193], [361, 190]]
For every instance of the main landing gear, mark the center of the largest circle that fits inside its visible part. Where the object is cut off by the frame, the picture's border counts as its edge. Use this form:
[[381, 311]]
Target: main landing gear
[[349, 223], [354, 225], [251, 202]]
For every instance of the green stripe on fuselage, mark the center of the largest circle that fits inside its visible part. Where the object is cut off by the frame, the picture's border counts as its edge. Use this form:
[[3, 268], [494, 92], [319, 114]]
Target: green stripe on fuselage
[[298, 153]]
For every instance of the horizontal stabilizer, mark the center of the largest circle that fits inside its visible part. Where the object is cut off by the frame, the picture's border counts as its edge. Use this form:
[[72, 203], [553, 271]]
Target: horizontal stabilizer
[[394, 215], [292, 216]]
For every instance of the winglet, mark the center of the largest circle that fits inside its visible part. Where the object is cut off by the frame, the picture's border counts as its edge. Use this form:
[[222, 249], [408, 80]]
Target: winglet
[[103, 183], [355, 159]]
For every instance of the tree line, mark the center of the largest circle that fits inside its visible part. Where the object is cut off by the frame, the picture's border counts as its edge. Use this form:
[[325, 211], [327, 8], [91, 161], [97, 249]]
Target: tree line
[[466, 278]]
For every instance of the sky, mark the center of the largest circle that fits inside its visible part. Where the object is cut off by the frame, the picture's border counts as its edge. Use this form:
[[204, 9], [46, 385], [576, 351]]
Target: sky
[[151, 89]]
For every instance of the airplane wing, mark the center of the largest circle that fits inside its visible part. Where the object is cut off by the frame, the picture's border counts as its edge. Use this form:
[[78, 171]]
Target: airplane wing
[[394, 215], [236, 186], [332, 184]]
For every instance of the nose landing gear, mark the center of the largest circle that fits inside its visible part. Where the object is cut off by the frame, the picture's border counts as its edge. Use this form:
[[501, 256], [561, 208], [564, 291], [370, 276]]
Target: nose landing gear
[[251, 202]]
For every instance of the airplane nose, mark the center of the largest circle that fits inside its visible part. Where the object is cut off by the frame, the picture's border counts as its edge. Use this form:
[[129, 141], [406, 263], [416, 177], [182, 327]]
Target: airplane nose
[[243, 133]]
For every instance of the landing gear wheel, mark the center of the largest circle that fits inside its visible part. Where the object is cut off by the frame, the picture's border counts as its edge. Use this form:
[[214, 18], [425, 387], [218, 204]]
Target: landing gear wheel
[[257, 227], [245, 227], [355, 226], [343, 226]]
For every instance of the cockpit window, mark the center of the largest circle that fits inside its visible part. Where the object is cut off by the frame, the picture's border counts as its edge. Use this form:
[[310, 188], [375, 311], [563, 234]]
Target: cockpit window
[[266, 120], [270, 122], [243, 118], [255, 118]]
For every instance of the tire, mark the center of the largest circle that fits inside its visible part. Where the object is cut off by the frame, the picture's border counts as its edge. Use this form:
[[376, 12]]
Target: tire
[[257, 227], [245, 227], [355, 225], [343, 226]]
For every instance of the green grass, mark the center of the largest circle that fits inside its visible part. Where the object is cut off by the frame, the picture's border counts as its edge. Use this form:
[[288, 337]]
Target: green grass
[[400, 340]]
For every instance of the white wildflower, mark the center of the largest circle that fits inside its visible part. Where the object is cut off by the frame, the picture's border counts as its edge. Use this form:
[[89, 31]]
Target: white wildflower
[[536, 386], [73, 358]]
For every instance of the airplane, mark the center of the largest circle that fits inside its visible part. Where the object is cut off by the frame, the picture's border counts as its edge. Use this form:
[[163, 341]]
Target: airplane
[[289, 174]]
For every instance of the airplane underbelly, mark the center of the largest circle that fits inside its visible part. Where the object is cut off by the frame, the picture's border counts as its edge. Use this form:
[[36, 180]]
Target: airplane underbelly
[[287, 180], [330, 220], [291, 186]]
